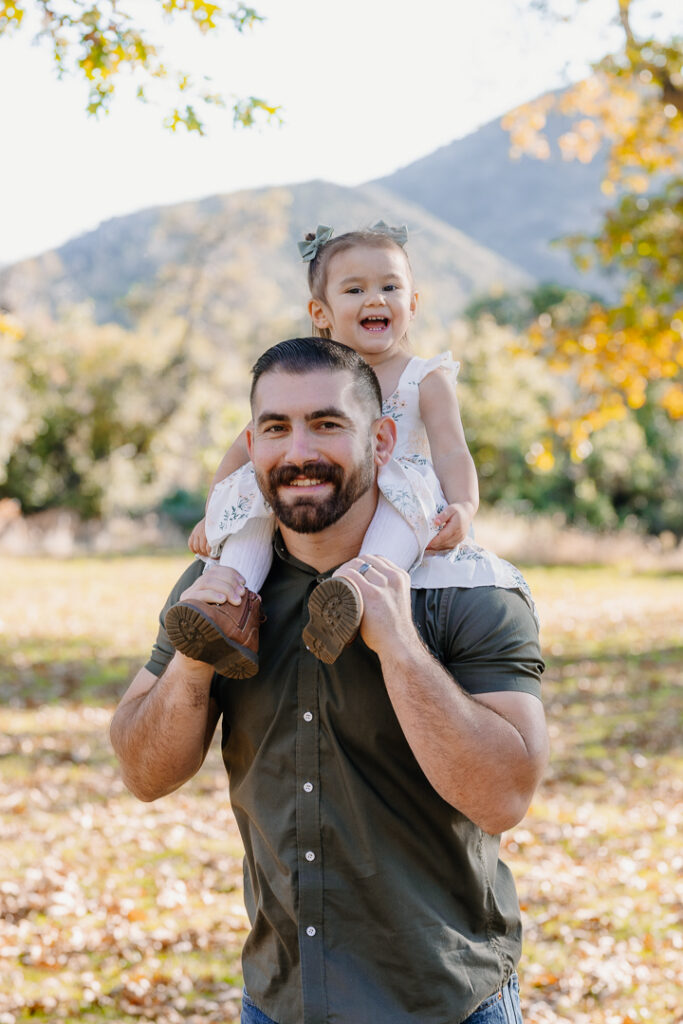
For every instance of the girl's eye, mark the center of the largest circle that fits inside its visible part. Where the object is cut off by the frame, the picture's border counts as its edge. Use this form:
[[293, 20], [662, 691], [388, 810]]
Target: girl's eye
[[353, 291], [390, 287]]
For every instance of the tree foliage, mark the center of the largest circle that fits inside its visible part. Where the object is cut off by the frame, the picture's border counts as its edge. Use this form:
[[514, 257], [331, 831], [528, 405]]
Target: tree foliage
[[630, 473], [90, 405], [107, 420], [99, 40], [627, 351]]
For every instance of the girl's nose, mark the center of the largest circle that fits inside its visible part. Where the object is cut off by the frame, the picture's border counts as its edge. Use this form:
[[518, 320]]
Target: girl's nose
[[377, 298]]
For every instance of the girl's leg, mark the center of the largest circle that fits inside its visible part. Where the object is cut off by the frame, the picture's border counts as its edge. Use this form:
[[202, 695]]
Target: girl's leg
[[250, 551], [390, 535]]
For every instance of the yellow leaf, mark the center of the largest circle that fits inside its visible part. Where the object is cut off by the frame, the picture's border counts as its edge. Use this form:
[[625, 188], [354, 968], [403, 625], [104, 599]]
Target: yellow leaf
[[672, 401]]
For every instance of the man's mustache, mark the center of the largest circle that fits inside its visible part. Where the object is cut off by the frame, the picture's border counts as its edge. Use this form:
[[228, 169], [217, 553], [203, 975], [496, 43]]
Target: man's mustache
[[325, 472]]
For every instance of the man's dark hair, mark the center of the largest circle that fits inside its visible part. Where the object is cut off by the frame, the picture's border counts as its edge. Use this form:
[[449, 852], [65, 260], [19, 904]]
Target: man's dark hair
[[303, 355]]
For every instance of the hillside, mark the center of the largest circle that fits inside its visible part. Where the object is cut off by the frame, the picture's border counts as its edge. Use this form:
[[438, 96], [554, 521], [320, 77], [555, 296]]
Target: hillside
[[514, 207], [239, 251]]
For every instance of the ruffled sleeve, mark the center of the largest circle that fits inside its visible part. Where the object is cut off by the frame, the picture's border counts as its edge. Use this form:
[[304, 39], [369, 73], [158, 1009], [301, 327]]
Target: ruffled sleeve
[[423, 367]]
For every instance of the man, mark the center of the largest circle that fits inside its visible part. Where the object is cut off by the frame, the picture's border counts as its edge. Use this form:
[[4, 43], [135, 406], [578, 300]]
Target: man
[[370, 794]]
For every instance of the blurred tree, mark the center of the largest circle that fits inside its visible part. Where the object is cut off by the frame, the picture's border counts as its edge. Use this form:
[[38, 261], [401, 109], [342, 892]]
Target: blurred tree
[[100, 39], [521, 309], [93, 400], [620, 353], [106, 420], [630, 473], [14, 408]]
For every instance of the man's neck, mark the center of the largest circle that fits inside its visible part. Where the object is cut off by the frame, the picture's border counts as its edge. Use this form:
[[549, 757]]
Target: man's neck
[[337, 543]]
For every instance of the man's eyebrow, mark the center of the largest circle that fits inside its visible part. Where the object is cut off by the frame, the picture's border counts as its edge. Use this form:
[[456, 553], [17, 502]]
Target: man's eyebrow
[[279, 417], [331, 412]]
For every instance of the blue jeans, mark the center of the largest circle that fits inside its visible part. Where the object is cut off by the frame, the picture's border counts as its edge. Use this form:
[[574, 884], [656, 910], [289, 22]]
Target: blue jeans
[[500, 1008]]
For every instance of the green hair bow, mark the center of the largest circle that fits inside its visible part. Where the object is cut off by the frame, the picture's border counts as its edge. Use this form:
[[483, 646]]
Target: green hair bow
[[398, 235], [309, 248]]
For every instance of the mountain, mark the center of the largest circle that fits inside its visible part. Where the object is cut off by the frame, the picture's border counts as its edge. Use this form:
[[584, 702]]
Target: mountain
[[516, 207], [229, 254]]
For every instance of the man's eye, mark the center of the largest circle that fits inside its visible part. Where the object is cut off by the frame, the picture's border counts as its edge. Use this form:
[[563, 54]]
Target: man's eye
[[274, 428], [328, 425]]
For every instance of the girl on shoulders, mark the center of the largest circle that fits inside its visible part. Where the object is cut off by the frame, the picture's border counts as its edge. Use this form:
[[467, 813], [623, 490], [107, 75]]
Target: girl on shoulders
[[362, 295]]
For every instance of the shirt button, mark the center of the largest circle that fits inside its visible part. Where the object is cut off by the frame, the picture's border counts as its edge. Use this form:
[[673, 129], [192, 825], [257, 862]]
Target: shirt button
[[310, 855], [308, 787], [310, 930], [308, 717]]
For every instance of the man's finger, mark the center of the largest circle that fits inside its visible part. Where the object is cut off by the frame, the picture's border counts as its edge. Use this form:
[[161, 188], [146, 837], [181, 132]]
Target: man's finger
[[365, 566], [379, 566]]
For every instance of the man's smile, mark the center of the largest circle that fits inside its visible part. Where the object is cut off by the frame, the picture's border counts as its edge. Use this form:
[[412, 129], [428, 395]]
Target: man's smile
[[309, 480], [306, 482]]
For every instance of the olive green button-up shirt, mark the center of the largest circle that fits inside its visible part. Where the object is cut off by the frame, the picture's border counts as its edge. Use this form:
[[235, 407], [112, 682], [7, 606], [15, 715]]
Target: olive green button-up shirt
[[370, 898]]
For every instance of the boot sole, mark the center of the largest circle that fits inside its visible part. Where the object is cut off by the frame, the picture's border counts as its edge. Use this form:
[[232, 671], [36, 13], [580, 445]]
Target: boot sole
[[335, 613], [195, 636]]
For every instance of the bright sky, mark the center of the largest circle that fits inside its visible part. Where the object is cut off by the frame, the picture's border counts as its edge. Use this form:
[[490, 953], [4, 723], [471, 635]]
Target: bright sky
[[367, 86]]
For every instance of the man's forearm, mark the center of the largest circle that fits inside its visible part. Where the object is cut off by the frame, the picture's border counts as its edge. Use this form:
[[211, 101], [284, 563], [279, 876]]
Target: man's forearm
[[161, 729], [480, 762]]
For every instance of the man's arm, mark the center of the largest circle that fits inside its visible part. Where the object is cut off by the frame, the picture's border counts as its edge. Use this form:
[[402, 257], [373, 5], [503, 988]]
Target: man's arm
[[162, 729], [163, 726], [483, 754]]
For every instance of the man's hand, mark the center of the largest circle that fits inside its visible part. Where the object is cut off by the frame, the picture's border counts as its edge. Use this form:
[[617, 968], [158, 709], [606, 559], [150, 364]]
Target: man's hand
[[217, 585], [453, 522], [385, 590], [197, 542]]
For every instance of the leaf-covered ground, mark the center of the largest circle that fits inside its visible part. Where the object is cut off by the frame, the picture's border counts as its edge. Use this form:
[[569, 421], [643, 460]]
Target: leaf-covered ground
[[113, 910]]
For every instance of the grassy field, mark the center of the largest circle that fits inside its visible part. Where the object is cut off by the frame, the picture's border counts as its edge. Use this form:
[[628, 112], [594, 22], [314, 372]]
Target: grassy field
[[113, 910]]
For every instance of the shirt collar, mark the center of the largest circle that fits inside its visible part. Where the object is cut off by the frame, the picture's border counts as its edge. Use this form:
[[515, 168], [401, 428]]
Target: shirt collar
[[285, 556]]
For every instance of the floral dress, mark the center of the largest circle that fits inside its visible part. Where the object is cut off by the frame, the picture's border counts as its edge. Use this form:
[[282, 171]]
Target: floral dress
[[408, 482]]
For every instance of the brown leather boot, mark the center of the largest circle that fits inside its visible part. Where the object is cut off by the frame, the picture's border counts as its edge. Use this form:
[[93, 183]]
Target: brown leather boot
[[224, 635], [335, 611]]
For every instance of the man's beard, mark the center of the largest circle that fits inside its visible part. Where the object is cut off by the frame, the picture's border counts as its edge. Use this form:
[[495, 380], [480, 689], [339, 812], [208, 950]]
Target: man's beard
[[309, 514]]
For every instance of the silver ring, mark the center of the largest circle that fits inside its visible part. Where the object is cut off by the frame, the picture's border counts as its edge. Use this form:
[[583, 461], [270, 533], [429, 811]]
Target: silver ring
[[364, 568]]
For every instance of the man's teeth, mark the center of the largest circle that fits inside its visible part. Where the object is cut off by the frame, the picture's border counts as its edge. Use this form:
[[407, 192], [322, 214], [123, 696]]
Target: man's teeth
[[308, 482]]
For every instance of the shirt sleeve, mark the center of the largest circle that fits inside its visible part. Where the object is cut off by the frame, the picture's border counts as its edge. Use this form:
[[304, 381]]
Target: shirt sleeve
[[163, 650], [486, 637]]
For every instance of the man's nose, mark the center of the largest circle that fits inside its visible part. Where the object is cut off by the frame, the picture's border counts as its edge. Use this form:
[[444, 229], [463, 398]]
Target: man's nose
[[301, 447]]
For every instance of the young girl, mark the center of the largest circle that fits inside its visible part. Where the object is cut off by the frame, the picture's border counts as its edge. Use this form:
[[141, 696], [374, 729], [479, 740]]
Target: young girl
[[362, 295]]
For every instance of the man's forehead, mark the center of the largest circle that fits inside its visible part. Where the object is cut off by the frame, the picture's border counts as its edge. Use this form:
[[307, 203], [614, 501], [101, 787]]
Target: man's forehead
[[294, 394]]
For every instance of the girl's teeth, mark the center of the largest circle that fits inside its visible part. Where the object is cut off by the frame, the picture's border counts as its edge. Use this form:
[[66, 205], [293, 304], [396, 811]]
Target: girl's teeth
[[375, 323]]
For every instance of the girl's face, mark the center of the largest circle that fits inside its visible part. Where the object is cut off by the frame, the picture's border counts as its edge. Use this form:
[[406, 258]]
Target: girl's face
[[369, 301]]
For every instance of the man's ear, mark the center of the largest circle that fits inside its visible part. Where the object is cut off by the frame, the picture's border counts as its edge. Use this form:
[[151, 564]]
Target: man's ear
[[318, 314], [384, 434], [249, 438]]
